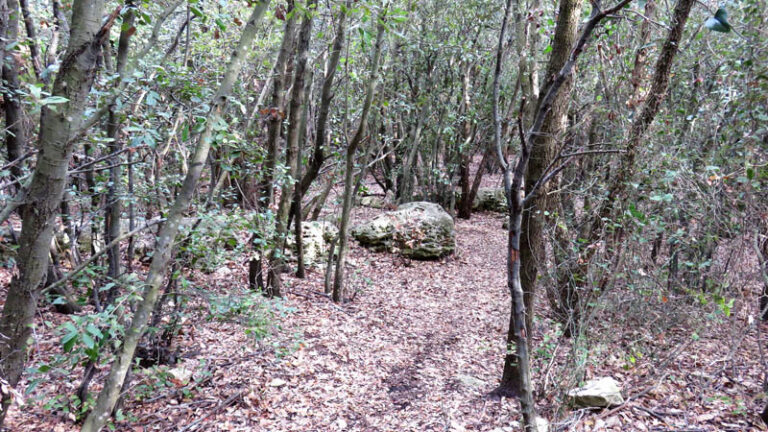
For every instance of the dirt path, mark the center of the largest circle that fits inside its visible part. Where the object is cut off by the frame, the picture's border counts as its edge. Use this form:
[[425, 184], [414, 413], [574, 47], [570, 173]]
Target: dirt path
[[416, 350]]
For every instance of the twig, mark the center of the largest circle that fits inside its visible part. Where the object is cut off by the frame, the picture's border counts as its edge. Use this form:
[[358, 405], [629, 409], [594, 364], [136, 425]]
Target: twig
[[93, 257], [229, 401]]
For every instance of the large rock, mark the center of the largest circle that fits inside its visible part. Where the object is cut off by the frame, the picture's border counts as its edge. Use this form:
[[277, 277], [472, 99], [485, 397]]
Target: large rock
[[490, 199], [317, 237], [597, 393], [420, 230]]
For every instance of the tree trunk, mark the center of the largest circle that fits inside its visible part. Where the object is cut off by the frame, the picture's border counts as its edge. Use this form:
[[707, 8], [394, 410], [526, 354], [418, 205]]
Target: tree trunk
[[114, 382], [16, 134], [326, 96], [277, 260], [516, 379], [618, 194], [339, 294], [543, 151], [47, 186], [276, 110], [276, 114], [114, 205]]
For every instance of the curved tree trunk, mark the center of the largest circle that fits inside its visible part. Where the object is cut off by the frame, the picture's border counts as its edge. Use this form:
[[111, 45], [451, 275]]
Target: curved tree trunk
[[108, 396]]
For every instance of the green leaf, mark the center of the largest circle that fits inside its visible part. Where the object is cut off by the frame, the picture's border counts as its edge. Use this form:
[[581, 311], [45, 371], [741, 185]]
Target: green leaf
[[719, 22], [52, 100], [197, 12], [88, 341], [68, 341], [92, 329]]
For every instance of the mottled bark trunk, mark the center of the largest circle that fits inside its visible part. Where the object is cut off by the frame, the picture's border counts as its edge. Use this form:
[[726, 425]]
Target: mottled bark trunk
[[47, 186], [544, 149]]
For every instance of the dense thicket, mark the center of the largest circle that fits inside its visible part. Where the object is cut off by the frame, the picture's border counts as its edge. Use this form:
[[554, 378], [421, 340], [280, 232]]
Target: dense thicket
[[632, 138]]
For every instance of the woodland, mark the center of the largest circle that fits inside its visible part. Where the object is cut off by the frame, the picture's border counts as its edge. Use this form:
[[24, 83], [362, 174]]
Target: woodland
[[384, 215]]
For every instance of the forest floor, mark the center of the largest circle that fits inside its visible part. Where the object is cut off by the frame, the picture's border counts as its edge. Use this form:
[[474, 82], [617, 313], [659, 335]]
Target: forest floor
[[418, 349]]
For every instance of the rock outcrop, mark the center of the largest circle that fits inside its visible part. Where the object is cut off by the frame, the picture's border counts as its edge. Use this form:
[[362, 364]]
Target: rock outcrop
[[419, 230], [490, 199]]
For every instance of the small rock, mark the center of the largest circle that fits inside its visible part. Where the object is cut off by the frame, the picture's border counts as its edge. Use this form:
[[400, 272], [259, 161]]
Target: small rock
[[490, 199], [541, 424], [181, 373], [277, 382], [597, 393], [470, 381]]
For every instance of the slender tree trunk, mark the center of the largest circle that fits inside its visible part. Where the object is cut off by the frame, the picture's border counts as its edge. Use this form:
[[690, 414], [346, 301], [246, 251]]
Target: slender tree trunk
[[641, 55], [114, 382], [465, 153], [298, 195], [15, 134], [276, 110], [339, 294], [114, 199], [276, 114], [326, 96], [34, 49], [618, 193], [47, 186], [406, 186], [277, 260]]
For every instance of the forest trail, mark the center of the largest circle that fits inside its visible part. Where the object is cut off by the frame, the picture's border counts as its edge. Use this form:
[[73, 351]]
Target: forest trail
[[420, 344]]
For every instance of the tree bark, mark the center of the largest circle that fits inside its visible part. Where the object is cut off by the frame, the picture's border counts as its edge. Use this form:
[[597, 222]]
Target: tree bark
[[544, 149], [16, 134], [326, 96], [518, 383], [47, 186]]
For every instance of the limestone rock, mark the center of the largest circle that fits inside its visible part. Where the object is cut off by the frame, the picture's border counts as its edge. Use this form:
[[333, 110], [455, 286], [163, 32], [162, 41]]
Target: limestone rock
[[490, 199], [377, 202], [317, 237], [597, 393], [420, 230]]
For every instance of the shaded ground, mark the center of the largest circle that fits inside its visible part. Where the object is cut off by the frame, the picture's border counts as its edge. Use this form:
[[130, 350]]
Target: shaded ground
[[418, 349]]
